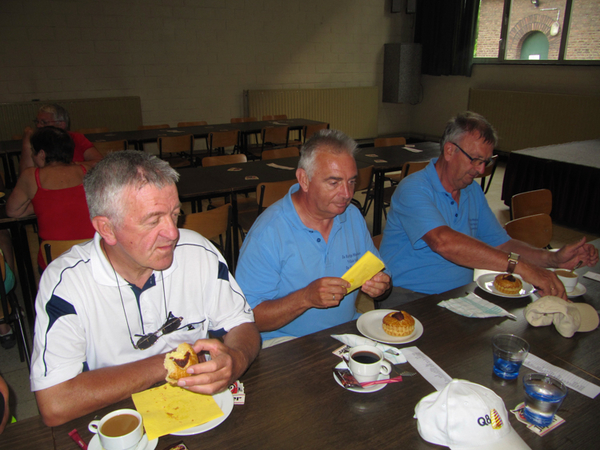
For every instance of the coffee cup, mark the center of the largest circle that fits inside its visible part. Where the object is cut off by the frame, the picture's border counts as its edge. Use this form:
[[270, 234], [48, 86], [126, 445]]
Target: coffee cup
[[119, 430], [568, 278], [366, 363]]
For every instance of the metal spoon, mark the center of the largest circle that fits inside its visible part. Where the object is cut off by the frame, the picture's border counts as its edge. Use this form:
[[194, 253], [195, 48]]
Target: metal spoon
[[577, 266]]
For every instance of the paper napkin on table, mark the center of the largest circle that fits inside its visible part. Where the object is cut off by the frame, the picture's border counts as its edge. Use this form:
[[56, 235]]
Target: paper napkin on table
[[168, 409], [412, 149], [279, 166], [474, 306], [364, 269], [354, 340]]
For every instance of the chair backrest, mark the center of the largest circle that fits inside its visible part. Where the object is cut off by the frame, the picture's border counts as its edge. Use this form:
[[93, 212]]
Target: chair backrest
[[53, 249], [271, 117], [275, 135], [212, 224], [280, 117], [536, 230], [92, 130], [377, 240], [220, 160], [222, 139], [198, 123], [309, 130], [269, 193], [106, 147], [280, 153], [531, 202], [153, 127], [176, 144], [364, 178], [412, 167], [388, 142]]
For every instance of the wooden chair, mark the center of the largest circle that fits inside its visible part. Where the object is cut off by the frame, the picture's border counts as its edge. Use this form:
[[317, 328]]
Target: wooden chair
[[530, 203], [213, 224], [266, 195], [407, 168], [153, 127], [218, 141], [220, 160], [280, 153], [364, 183], [178, 151], [271, 137], [92, 130], [53, 249], [271, 117], [377, 240], [198, 123], [106, 147], [309, 130], [489, 171], [12, 315], [536, 230], [390, 141]]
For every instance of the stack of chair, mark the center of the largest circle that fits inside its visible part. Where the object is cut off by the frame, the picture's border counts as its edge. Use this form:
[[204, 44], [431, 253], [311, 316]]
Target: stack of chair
[[531, 221]]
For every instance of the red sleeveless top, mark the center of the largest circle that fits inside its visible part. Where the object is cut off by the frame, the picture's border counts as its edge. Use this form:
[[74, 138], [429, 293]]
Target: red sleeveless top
[[62, 214]]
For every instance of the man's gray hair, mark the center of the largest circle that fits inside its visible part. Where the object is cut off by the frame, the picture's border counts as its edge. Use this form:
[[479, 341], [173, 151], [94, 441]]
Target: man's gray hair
[[468, 122], [60, 114], [332, 141], [105, 182]]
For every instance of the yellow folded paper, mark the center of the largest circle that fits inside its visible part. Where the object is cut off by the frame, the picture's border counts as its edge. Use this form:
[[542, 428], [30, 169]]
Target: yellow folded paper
[[168, 409], [364, 269]]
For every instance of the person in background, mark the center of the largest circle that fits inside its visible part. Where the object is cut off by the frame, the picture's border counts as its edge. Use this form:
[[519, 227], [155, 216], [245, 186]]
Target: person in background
[[4, 405], [53, 190], [295, 253], [440, 226], [57, 116], [7, 336], [110, 309]]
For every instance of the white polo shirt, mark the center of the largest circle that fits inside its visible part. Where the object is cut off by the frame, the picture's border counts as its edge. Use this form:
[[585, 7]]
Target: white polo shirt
[[86, 321]]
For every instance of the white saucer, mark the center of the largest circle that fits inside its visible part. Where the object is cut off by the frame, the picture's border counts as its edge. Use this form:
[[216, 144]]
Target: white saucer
[[362, 390], [370, 325], [486, 282], [143, 444], [225, 401], [579, 290]]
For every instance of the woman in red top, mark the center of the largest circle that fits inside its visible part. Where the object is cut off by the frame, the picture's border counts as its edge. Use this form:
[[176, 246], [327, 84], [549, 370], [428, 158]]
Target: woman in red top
[[53, 190]]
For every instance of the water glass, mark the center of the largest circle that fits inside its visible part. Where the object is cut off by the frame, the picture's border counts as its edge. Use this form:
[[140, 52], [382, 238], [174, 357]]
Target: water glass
[[543, 396], [509, 353]]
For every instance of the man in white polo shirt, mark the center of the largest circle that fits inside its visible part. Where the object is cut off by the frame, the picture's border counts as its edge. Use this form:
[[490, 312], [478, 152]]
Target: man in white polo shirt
[[108, 310]]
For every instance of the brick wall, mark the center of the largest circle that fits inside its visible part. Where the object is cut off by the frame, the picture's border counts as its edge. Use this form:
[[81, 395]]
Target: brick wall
[[191, 59]]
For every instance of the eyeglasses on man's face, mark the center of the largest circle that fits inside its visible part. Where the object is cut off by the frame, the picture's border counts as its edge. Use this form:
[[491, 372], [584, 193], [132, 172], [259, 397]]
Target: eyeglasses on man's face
[[475, 162], [45, 123]]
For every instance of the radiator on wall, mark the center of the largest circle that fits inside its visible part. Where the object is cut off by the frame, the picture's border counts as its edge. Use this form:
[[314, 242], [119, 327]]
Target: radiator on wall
[[116, 113], [352, 110], [533, 119]]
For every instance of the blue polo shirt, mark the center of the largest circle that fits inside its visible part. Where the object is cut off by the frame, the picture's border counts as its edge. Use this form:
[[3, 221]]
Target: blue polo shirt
[[281, 255], [420, 204]]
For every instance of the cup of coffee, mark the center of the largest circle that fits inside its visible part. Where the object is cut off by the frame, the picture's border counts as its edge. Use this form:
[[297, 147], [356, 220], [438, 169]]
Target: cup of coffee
[[367, 362], [119, 430], [509, 353], [543, 396], [568, 278]]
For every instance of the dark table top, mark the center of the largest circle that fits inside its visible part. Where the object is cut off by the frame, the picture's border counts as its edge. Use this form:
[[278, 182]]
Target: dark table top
[[395, 156], [292, 400]]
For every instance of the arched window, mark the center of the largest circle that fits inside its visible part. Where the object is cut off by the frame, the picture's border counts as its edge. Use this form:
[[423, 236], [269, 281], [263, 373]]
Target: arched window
[[535, 46]]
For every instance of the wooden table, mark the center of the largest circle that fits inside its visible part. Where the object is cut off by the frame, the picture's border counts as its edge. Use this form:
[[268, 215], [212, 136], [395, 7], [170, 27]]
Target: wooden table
[[391, 159], [292, 400], [571, 171]]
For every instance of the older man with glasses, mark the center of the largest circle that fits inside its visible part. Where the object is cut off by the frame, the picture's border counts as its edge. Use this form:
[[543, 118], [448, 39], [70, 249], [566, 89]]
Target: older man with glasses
[[440, 226], [56, 116], [109, 310]]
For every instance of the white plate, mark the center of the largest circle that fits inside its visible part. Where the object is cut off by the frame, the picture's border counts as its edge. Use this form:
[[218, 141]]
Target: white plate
[[370, 325], [486, 282], [362, 390], [143, 445], [579, 290], [225, 401]]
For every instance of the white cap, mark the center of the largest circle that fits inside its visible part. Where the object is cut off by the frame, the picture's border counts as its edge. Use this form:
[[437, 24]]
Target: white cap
[[466, 416], [567, 317]]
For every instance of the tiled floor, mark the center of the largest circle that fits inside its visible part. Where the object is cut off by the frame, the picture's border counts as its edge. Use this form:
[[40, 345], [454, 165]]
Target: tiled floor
[[17, 375]]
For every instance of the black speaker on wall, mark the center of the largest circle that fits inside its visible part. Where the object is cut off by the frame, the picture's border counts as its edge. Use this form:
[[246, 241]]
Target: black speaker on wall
[[402, 73]]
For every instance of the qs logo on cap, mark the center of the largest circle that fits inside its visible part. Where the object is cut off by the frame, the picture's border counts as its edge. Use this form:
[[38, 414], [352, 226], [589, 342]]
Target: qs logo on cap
[[495, 421]]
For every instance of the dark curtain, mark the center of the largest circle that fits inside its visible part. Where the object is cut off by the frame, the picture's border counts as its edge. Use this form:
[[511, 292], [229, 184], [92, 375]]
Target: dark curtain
[[446, 30]]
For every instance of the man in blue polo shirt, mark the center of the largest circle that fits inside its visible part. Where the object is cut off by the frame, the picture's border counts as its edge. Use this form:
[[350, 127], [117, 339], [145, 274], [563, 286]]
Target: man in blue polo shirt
[[440, 226], [295, 253]]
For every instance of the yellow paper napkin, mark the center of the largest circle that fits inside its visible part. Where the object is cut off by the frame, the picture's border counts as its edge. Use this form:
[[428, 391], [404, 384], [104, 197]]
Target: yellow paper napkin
[[364, 269], [168, 409]]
